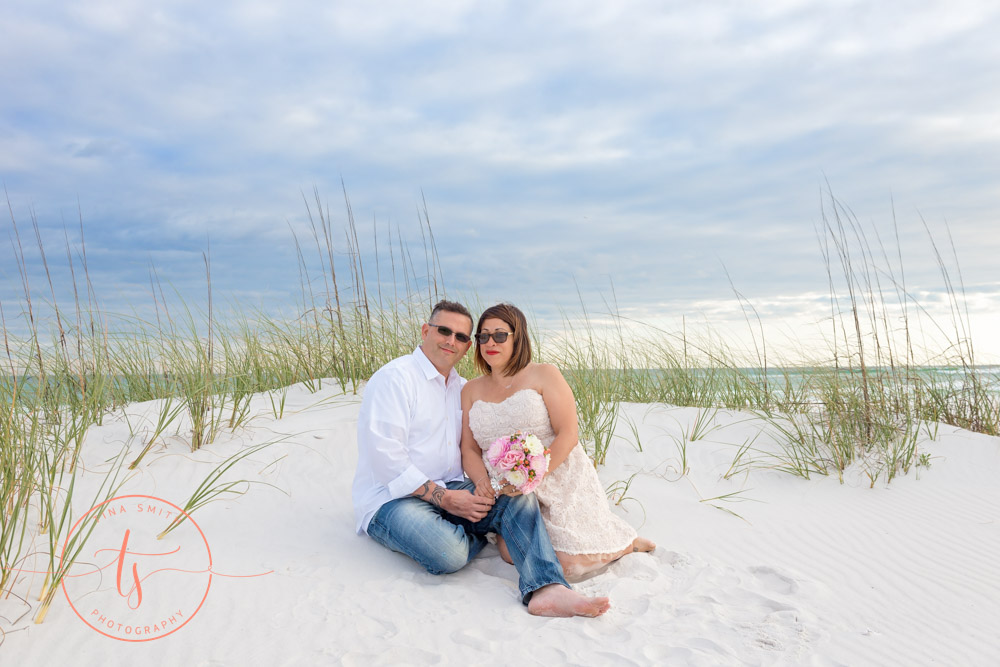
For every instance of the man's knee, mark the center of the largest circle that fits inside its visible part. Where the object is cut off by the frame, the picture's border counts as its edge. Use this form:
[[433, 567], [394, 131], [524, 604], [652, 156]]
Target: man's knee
[[447, 559], [445, 566], [437, 545]]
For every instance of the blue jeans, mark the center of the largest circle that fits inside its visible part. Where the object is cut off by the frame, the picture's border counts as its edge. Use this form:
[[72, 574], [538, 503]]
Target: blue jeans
[[441, 542]]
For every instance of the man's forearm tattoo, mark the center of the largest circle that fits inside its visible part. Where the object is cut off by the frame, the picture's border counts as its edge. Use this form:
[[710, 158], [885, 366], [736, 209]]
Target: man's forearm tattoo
[[437, 494]]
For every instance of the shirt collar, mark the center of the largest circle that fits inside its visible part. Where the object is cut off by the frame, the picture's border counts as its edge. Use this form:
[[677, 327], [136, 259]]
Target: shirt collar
[[430, 372]]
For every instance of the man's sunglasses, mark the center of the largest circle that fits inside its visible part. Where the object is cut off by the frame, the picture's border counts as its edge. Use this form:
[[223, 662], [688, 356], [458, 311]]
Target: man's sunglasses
[[446, 332], [498, 336]]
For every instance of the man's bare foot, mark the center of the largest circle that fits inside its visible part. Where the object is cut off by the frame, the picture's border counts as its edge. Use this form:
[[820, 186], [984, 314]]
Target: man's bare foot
[[557, 600], [642, 544]]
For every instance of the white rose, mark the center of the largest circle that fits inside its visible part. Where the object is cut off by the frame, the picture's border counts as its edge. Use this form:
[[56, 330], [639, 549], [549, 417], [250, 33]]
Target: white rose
[[533, 445], [516, 477]]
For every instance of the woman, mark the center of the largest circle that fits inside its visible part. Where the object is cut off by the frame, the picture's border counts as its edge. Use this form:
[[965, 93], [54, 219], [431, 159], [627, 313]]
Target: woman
[[514, 394]]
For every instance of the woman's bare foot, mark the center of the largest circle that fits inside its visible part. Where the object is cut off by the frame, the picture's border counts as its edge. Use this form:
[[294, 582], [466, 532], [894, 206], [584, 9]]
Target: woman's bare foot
[[641, 544], [502, 546], [577, 566], [557, 600]]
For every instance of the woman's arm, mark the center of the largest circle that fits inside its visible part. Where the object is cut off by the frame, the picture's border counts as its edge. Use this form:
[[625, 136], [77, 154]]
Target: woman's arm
[[561, 404], [472, 453]]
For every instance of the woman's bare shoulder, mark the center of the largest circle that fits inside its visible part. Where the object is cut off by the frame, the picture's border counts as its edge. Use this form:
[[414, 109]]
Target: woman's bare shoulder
[[544, 375], [546, 371], [474, 386]]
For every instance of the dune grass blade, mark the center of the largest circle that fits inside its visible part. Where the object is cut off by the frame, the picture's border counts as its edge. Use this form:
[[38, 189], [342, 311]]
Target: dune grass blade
[[73, 544], [166, 415], [211, 487]]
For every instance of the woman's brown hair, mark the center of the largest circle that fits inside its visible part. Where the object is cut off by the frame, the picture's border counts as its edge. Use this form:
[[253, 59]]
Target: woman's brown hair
[[514, 318]]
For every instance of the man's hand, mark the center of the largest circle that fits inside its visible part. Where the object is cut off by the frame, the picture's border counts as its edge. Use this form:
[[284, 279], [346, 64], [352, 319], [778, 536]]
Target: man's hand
[[466, 505], [460, 503]]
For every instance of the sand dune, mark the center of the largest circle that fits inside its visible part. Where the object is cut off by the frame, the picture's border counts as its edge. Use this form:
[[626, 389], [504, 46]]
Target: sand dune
[[810, 571]]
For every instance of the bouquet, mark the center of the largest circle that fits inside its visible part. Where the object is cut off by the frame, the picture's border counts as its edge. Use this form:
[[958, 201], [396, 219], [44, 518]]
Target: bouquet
[[522, 459]]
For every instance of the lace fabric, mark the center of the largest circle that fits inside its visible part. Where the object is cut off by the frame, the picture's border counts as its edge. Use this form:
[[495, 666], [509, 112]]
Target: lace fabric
[[574, 506]]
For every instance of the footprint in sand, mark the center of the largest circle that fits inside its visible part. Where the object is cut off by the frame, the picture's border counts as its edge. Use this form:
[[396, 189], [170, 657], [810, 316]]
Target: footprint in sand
[[609, 658], [708, 646], [728, 615], [476, 640], [632, 606], [672, 558], [774, 581], [392, 655], [698, 652], [767, 642], [371, 627], [642, 567]]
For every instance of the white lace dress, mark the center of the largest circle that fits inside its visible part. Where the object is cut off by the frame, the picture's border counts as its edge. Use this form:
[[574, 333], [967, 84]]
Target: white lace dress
[[573, 503]]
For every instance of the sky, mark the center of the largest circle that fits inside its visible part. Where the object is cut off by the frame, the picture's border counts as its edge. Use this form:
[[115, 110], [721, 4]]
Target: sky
[[665, 160]]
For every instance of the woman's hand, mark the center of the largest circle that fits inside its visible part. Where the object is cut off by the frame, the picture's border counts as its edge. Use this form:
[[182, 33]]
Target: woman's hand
[[484, 489], [508, 489]]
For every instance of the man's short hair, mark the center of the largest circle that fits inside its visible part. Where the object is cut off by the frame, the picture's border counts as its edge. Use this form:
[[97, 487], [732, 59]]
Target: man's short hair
[[450, 307]]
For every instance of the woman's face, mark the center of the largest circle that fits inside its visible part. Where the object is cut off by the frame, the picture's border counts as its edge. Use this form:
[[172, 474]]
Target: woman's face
[[496, 354]]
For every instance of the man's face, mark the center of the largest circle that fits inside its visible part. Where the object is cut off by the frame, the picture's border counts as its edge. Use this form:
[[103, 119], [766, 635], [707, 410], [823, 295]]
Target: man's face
[[445, 352]]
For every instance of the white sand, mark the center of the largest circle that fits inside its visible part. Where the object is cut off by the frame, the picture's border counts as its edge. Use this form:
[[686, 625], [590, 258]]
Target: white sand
[[814, 572]]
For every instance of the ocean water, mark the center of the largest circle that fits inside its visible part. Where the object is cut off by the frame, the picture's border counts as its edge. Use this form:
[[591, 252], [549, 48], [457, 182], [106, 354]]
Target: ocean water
[[782, 380], [793, 381], [938, 376]]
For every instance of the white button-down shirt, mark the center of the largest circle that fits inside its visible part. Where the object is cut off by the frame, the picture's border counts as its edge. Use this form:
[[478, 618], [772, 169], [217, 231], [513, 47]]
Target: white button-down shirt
[[409, 430]]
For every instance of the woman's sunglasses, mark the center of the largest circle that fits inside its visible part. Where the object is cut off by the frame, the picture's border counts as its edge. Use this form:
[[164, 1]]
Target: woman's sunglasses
[[446, 332], [498, 336]]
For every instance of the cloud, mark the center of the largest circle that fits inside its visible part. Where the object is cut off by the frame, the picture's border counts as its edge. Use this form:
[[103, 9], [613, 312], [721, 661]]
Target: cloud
[[642, 145], [96, 148]]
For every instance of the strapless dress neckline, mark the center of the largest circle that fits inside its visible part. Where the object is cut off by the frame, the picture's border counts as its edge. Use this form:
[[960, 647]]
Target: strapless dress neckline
[[519, 391]]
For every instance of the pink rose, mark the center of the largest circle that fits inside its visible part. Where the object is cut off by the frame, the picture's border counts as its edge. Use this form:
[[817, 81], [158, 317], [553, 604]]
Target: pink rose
[[540, 464], [509, 460], [498, 450]]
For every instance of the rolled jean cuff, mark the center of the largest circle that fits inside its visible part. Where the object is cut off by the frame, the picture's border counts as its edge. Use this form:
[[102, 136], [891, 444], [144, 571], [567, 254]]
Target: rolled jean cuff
[[520, 523]]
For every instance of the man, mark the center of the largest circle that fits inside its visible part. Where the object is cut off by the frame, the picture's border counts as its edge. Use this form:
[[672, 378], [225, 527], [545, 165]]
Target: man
[[410, 494]]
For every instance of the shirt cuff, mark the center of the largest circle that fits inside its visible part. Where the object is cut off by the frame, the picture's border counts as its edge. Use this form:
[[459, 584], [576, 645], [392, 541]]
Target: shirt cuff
[[408, 482]]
